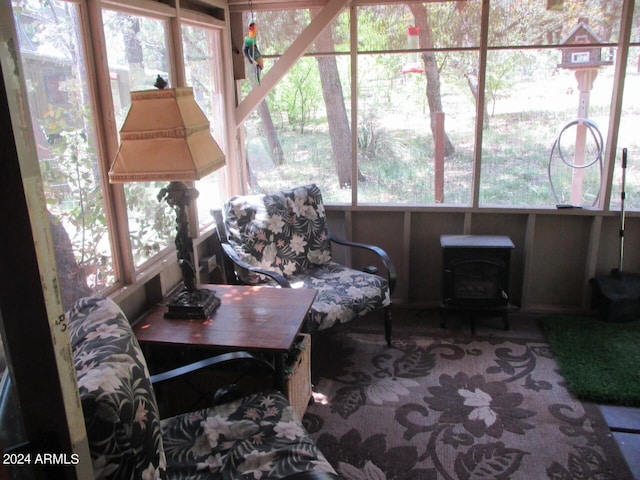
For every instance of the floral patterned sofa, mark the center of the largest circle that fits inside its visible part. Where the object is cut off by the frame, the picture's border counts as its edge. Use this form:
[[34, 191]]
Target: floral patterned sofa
[[255, 437], [283, 238]]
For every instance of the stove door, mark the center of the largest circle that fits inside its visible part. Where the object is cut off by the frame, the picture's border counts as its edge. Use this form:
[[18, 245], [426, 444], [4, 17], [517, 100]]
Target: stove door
[[475, 281]]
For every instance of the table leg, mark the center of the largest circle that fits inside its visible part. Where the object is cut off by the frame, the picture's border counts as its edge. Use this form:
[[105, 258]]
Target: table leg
[[279, 375]]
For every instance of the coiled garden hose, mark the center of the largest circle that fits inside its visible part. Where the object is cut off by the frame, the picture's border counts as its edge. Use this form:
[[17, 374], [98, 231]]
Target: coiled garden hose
[[593, 129]]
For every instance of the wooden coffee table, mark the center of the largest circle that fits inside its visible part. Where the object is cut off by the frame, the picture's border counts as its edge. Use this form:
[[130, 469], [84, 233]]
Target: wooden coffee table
[[261, 320]]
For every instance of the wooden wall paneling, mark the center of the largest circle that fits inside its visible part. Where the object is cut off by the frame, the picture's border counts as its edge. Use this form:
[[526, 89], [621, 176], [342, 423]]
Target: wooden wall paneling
[[426, 255], [367, 229], [237, 28], [631, 242], [336, 223], [348, 234], [560, 247], [592, 259], [609, 247], [402, 290], [527, 258]]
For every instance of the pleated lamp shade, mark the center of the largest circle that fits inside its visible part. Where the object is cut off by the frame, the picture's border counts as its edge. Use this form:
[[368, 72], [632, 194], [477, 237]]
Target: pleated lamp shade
[[165, 136]]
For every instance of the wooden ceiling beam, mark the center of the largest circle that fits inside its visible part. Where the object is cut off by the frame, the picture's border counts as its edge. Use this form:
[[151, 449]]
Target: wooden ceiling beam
[[258, 6]]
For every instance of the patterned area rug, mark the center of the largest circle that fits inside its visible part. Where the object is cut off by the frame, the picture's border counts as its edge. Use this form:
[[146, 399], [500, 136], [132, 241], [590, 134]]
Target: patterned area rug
[[453, 407]]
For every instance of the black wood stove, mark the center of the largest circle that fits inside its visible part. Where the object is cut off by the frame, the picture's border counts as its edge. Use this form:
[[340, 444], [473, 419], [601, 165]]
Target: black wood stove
[[475, 275]]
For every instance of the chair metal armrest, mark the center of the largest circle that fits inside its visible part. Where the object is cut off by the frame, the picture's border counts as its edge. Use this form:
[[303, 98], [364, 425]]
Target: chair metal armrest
[[386, 260], [232, 255], [206, 363]]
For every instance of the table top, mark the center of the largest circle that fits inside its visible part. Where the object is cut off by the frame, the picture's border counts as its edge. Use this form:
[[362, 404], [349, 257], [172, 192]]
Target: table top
[[264, 319]]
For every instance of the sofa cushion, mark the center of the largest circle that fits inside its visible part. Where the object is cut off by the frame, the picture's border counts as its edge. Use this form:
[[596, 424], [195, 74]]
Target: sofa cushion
[[119, 405], [284, 232]]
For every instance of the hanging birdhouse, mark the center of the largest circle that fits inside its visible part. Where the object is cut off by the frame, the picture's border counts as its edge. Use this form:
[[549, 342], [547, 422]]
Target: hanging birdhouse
[[413, 64], [581, 52]]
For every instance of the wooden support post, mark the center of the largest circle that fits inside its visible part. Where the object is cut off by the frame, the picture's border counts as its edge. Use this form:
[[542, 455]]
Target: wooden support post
[[237, 41], [585, 78], [577, 174], [439, 157]]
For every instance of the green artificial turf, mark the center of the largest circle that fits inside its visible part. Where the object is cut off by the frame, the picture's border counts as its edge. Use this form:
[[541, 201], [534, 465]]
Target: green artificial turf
[[600, 361]]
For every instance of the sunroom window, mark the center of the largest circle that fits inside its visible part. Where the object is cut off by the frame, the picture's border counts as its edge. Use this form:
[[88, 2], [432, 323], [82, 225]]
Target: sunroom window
[[54, 64], [137, 53], [203, 67]]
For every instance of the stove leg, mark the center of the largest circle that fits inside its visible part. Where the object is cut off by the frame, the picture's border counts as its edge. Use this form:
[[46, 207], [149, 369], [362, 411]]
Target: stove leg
[[505, 322]]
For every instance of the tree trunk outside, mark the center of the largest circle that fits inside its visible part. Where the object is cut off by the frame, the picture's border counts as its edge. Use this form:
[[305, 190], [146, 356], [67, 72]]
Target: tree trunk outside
[[71, 276], [339, 130], [473, 87], [133, 52], [432, 73], [275, 148]]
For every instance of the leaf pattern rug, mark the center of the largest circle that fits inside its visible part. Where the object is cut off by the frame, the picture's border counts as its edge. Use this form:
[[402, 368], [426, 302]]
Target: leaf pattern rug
[[453, 407]]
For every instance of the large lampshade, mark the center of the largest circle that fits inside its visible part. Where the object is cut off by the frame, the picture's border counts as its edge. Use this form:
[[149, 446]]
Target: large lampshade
[[165, 136]]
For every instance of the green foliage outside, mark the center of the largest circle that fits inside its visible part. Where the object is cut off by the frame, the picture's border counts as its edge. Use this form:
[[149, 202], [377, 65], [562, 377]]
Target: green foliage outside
[[528, 100]]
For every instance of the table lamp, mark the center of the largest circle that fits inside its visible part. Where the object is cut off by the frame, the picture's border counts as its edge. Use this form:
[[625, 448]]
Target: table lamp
[[166, 136]]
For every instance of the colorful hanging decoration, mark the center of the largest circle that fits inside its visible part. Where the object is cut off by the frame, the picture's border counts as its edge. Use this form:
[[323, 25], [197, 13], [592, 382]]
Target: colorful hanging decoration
[[251, 49], [413, 61]]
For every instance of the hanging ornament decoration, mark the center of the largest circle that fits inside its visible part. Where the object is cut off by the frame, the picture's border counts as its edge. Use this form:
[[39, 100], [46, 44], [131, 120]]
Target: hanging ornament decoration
[[250, 48], [413, 60]]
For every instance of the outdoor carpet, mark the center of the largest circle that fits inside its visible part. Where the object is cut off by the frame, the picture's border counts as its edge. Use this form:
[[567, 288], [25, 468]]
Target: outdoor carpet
[[453, 407], [600, 361]]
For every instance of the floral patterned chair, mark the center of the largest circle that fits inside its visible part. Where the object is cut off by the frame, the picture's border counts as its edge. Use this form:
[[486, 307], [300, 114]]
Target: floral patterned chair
[[283, 239], [255, 437]]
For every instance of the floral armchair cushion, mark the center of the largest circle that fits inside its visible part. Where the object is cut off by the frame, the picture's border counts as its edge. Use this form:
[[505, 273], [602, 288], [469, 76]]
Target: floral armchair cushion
[[256, 437], [343, 294], [118, 401], [284, 232]]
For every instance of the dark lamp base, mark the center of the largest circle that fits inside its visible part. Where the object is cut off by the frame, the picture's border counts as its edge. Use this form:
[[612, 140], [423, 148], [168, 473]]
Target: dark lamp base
[[194, 304]]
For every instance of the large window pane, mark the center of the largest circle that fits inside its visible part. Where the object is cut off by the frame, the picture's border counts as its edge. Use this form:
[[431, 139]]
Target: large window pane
[[537, 150], [204, 74], [448, 24], [55, 73], [137, 54], [301, 133], [416, 110], [396, 148], [629, 118], [551, 22], [628, 137], [547, 110], [278, 29], [289, 139]]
